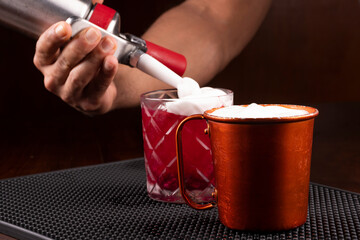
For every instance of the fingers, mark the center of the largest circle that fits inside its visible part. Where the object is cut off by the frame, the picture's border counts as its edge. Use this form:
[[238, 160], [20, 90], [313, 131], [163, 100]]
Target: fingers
[[47, 47], [97, 70], [98, 87], [99, 95], [75, 52], [79, 71], [56, 74]]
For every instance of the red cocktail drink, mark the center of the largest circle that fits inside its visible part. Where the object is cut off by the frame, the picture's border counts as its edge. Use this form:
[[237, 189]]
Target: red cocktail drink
[[159, 129]]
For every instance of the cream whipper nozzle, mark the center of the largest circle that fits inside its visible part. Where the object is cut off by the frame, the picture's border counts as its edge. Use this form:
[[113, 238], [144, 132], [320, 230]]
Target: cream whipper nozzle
[[148, 64]]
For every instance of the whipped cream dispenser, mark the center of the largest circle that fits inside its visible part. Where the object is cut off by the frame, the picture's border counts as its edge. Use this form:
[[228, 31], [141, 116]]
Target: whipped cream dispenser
[[35, 16]]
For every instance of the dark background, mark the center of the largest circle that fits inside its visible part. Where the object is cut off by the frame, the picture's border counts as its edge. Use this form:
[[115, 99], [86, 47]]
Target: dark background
[[306, 52]]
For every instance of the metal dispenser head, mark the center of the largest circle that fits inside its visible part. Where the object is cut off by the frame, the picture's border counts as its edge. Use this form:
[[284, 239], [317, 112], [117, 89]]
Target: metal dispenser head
[[35, 16]]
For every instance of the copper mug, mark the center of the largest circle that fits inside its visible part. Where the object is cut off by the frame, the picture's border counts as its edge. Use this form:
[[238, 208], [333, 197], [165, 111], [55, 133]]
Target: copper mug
[[262, 169]]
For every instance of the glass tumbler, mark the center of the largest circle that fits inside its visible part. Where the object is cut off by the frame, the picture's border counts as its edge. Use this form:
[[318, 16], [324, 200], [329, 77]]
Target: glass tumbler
[[162, 111]]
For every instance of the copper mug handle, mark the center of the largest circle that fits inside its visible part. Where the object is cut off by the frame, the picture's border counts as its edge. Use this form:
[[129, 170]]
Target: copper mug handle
[[180, 165]]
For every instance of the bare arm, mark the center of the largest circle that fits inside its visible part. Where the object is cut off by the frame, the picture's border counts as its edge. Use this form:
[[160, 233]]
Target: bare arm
[[210, 33]]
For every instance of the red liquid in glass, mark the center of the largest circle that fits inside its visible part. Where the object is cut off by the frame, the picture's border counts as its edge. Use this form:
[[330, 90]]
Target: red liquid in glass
[[159, 129]]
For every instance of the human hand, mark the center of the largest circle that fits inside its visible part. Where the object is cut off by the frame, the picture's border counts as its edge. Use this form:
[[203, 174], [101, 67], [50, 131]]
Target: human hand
[[97, 1], [79, 71]]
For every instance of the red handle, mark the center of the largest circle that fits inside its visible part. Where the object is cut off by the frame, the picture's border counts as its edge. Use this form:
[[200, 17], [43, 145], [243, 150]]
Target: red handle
[[172, 60], [102, 15]]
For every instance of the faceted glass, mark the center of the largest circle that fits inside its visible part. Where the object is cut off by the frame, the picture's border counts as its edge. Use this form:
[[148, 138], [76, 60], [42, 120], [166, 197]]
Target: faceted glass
[[159, 128]]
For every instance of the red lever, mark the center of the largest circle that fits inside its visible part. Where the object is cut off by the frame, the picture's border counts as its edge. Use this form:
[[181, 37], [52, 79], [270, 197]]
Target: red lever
[[102, 15], [172, 60]]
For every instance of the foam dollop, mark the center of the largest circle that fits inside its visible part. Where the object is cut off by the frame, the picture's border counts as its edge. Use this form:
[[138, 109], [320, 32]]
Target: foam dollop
[[257, 111], [196, 100], [188, 87]]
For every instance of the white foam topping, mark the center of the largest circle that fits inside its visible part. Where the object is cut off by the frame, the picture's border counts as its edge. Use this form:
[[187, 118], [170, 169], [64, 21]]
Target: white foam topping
[[257, 111], [188, 87], [196, 100], [192, 98], [207, 98]]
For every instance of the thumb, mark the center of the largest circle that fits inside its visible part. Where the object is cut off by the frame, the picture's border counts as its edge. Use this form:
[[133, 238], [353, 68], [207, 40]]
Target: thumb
[[97, 1]]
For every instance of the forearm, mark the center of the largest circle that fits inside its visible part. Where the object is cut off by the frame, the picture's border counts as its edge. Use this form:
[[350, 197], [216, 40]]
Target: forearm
[[209, 33]]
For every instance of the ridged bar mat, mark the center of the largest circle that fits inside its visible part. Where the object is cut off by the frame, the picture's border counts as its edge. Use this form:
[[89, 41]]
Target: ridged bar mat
[[109, 201]]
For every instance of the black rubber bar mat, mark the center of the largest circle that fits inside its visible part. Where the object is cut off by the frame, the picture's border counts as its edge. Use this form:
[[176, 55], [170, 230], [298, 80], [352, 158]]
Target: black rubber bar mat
[[109, 201]]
